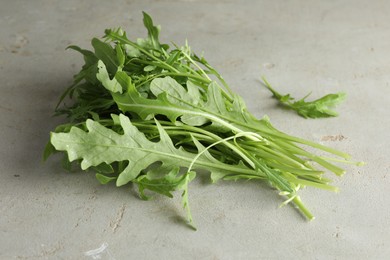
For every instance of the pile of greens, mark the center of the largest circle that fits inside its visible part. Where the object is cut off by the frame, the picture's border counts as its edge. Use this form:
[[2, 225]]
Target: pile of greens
[[146, 114]]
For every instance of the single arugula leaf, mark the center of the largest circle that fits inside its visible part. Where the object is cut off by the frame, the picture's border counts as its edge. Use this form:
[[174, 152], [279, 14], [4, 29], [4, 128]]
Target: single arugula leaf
[[173, 101], [89, 56], [110, 84], [164, 185], [153, 31], [107, 54], [131, 51], [132, 101], [48, 151], [177, 94], [88, 69], [88, 73], [103, 179], [102, 145], [120, 55], [104, 168], [320, 107], [66, 164], [313, 109], [235, 114]]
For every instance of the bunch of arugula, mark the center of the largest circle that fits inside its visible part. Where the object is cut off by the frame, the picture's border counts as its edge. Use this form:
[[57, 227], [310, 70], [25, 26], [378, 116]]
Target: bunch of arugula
[[146, 114]]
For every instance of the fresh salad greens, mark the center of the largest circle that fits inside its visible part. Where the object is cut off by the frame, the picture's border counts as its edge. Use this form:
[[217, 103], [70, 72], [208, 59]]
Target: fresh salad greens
[[314, 109], [154, 115]]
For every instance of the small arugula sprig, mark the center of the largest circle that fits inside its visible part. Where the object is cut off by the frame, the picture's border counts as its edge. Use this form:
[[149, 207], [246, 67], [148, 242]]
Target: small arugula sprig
[[313, 109], [146, 114]]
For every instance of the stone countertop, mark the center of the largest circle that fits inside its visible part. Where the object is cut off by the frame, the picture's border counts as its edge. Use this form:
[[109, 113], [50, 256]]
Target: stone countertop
[[300, 46]]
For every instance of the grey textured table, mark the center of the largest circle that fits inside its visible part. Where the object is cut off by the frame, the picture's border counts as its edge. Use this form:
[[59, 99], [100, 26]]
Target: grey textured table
[[300, 46]]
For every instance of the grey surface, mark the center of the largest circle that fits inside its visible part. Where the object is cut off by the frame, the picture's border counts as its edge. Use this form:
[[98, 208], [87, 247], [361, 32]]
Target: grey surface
[[301, 46]]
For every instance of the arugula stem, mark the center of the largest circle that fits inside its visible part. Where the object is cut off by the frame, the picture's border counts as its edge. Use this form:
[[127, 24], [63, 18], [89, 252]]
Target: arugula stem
[[279, 135], [341, 160], [190, 130], [294, 179], [281, 185], [220, 78], [300, 172], [196, 65], [279, 156], [201, 79], [298, 202]]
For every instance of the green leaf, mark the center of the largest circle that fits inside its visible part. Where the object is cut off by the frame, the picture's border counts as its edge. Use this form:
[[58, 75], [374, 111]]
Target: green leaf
[[88, 73], [89, 57], [103, 179], [164, 185], [172, 181], [174, 101], [149, 68], [107, 54], [110, 84], [175, 93], [104, 168], [153, 31], [131, 51], [132, 101], [102, 145], [48, 151], [66, 164], [120, 55], [318, 108], [189, 176]]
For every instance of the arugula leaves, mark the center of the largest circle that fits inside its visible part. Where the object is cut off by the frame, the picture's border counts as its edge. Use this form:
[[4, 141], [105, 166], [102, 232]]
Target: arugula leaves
[[156, 117], [314, 109], [101, 145]]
